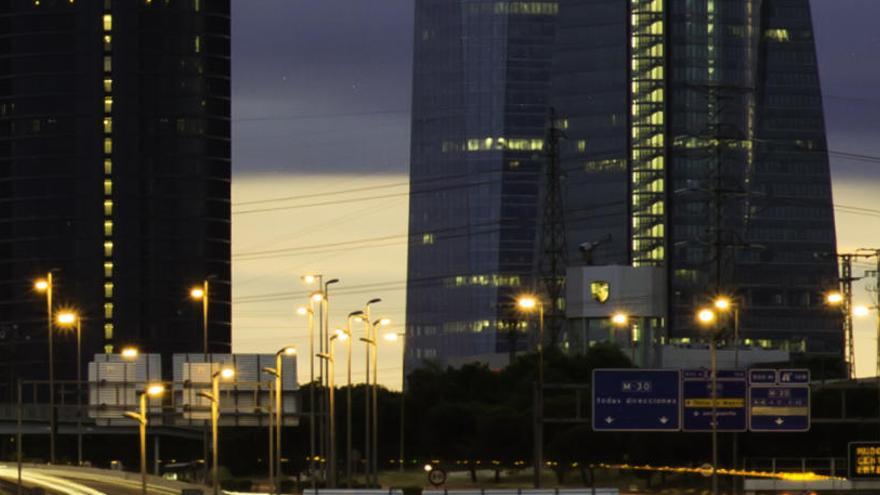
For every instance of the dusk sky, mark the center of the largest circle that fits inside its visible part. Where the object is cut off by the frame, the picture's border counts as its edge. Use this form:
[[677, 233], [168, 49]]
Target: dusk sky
[[330, 81]]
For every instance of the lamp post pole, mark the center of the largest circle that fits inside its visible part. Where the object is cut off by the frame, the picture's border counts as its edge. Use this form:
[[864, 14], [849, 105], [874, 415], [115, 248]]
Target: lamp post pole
[[214, 398], [79, 437], [141, 418], [47, 285], [348, 413]]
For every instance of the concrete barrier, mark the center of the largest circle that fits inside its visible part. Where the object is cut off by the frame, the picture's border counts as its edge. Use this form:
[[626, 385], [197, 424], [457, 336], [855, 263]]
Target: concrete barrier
[[527, 491]]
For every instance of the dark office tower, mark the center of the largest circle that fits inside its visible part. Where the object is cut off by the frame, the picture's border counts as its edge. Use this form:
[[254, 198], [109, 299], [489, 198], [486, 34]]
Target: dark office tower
[[480, 111], [696, 137], [114, 175]]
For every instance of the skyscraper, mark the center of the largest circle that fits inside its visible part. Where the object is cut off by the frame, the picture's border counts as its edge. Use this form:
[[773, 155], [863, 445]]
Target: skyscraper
[[709, 113], [115, 168], [480, 109], [693, 141]]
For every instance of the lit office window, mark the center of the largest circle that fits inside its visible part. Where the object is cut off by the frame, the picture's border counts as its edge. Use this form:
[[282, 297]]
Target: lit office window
[[108, 166], [108, 269], [108, 104], [108, 125], [108, 228], [108, 310], [108, 85], [108, 22], [108, 146], [108, 207], [108, 249]]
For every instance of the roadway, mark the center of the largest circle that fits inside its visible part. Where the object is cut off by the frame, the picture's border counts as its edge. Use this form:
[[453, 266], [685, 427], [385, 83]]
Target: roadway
[[86, 481]]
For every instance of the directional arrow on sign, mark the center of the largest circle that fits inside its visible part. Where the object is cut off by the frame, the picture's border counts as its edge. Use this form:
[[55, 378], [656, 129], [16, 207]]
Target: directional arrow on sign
[[779, 421], [609, 420], [664, 420]]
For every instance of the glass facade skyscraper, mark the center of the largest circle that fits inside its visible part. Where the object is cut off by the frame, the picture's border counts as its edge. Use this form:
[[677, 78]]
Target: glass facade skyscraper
[[480, 109], [114, 175], [694, 141]]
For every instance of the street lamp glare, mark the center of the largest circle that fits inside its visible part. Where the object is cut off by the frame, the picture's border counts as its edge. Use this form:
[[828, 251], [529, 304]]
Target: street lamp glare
[[290, 351], [197, 293], [428, 468], [722, 303], [66, 318], [309, 279], [155, 390], [227, 373], [620, 319], [834, 298], [527, 302], [706, 316], [129, 352], [391, 337], [385, 322], [341, 334], [301, 311], [41, 285], [861, 311], [317, 296]]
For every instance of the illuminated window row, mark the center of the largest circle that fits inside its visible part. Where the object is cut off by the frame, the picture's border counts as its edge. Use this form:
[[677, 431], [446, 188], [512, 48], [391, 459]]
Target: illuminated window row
[[494, 144]]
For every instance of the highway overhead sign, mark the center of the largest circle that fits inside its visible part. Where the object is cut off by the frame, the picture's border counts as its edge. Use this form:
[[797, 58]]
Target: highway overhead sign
[[781, 405], [636, 400], [730, 401]]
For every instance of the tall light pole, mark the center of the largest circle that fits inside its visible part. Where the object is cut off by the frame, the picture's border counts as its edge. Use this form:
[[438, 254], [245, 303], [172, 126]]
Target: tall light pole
[[394, 337], [370, 341], [277, 372], [375, 413], [622, 320], [68, 319], [709, 319], [330, 357], [325, 329], [214, 397], [141, 418], [530, 304], [346, 336], [47, 286], [201, 293], [310, 314]]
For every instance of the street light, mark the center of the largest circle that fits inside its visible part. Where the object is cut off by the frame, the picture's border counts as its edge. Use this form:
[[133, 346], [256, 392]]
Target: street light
[[528, 304], [277, 372], [707, 318], [214, 397], [129, 353], [330, 357], [47, 286], [346, 336], [621, 320], [724, 304], [155, 390], [201, 293], [371, 424], [70, 319], [834, 298]]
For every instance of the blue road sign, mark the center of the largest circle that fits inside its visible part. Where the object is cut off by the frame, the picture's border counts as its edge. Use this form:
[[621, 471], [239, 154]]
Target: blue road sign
[[779, 408], [762, 377], [794, 376], [636, 400], [730, 401]]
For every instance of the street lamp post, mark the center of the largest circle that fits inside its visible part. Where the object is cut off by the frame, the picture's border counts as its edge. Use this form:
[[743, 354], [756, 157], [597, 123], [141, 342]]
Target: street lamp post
[[708, 319], [347, 337], [330, 357], [277, 373], [141, 418], [529, 304], [47, 286], [214, 397], [201, 293], [370, 341], [375, 413], [622, 320], [310, 314], [67, 319]]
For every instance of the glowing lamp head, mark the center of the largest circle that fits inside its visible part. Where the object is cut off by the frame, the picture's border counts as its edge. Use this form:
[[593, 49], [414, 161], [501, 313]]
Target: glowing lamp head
[[227, 373], [309, 279], [66, 318], [197, 293], [301, 311], [155, 390], [428, 468], [527, 303], [722, 303], [620, 319], [129, 353], [289, 351], [317, 296], [41, 285], [834, 298], [384, 322], [391, 337], [706, 316], [861, 311], [341, 334]]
